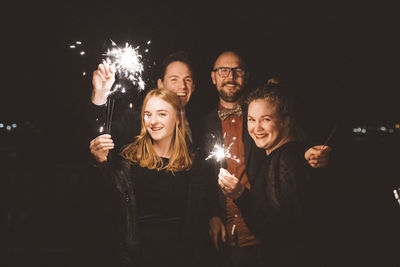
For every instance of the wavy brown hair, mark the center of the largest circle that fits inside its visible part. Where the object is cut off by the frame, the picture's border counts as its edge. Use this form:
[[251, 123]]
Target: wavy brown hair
[[276, 91], [141, 150]]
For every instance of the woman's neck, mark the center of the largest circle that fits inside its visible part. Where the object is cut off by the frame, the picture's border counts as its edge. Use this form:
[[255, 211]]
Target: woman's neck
[[281, 143], [163, 148]]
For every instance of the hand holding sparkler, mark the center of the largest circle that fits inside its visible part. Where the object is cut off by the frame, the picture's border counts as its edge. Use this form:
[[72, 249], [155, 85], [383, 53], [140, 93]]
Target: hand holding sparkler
[[100, 146], [318, 156], [103, 80], [229, 184]]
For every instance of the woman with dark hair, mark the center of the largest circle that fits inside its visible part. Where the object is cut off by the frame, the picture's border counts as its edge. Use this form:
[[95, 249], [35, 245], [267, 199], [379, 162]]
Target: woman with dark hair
[[273, 207], [161, 189]]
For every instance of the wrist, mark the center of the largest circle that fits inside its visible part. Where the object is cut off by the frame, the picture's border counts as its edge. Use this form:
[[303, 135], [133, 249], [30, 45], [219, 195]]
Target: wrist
[[98, 98]]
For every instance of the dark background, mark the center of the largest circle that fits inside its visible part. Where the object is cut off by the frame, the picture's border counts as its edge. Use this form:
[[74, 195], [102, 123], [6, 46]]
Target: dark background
[[341, 58]]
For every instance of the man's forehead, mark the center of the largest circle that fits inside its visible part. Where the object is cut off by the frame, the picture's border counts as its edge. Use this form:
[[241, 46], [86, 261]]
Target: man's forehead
[[228, 59], [178, 68]]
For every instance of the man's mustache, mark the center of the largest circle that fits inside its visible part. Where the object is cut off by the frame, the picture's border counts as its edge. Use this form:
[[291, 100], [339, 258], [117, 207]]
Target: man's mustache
[[230, 82]]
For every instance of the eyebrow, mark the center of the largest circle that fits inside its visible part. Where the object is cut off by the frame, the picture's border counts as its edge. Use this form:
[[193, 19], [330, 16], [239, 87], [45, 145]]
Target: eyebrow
[[158, 110], [266, 115], [177, 76]]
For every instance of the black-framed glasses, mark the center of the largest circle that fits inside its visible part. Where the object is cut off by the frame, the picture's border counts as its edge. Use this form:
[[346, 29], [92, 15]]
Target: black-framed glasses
[[224, 72]]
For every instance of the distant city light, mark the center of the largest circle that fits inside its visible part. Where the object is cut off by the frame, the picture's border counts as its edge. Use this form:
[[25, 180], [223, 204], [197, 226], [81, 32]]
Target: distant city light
[[148, 42], [130, 105], [82, 53], [147, 50], [123, 90], [397, 126], [8, 128], [84, 73], [78, 42], [14, 125], [101, 129], [361, 130], [72, 46], [391, 131], [1, 125], [383, 129]]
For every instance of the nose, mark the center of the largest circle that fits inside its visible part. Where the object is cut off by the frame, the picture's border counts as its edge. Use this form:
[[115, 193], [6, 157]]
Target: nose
[[258, 126], [182, 84], [153, 120], [232, 74]]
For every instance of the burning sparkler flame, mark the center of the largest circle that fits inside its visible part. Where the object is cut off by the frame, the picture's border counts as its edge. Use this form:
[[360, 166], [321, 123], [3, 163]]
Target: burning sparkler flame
[[127, 62], [219, 153]]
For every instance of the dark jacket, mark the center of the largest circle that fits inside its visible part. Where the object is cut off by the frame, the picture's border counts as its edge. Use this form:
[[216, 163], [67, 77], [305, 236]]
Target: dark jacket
[[273, 208], [119, 174]]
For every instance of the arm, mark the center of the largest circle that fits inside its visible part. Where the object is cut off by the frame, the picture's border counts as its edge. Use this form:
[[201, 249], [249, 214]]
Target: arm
[[102, 81]]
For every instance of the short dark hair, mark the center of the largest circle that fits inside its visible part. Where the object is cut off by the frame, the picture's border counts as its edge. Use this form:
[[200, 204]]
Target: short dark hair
[[277, 92], [181, 56]]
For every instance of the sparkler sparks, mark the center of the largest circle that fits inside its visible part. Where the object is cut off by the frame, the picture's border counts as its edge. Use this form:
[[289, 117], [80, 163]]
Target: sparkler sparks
[[127, 62], [219, 153]]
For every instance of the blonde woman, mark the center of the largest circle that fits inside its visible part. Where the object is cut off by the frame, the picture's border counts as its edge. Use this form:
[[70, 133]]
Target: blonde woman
[[161, 189]]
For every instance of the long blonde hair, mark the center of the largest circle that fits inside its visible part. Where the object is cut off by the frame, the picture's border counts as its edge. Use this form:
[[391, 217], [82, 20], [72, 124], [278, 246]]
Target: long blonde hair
[[141, 151]]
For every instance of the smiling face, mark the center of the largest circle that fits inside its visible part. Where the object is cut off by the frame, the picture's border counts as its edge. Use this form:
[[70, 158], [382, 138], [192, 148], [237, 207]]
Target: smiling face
[[231, 87], [160, 118], [268, 130], [178, 78]]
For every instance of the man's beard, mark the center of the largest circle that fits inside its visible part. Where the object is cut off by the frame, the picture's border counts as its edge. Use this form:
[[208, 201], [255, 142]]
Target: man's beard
[[231, 97]]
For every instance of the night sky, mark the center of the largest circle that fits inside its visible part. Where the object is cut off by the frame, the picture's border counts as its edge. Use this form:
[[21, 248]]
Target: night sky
[[341, 58]]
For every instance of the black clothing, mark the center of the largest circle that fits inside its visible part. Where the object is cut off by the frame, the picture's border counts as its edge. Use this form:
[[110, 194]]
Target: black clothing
[[161, 195], [163, 215], [273, 208]]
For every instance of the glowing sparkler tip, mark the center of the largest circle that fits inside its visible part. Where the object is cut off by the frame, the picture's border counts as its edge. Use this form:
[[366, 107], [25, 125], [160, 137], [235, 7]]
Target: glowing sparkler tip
[[127, 63]]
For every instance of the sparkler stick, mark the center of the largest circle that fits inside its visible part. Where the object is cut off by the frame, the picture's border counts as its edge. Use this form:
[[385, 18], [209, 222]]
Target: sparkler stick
[[110, 109], [330, 135]]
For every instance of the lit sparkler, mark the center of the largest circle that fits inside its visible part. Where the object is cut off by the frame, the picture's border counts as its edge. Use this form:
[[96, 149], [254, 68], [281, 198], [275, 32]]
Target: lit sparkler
[[220, 152], [127, 62]]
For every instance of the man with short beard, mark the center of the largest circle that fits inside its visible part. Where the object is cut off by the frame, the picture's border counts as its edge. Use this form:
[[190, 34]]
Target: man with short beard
[[227, 125]]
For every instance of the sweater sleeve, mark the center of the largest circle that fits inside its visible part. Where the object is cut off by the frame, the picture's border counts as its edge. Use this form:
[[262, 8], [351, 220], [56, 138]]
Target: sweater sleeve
[[275, 199]]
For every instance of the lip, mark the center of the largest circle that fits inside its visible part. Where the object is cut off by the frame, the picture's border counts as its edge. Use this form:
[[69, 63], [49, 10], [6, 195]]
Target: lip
[[260, 136], [156, 129]]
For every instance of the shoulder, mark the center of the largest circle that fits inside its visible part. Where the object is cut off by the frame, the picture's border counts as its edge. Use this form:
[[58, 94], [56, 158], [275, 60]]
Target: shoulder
[[289, 156], [292, 149]]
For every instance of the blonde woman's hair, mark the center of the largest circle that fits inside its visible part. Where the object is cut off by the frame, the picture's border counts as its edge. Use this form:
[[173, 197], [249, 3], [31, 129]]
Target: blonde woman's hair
[[141, 151]]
